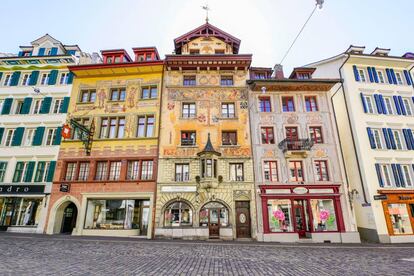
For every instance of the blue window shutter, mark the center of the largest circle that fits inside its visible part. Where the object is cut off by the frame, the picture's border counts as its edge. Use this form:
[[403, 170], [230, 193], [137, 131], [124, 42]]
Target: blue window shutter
[[371, 76], [38, 137], [70, 78], [378, 103], [377, 168], [411, 138], [390, 80], [15, 78], [407, 138], [356, 73], [33, 77], [384, 108], [52, 77], [371, 138], [18, 136], [407, 77], [21, 54], [397, 105], [364, 104], [45, 108], [27, 103], [395, 173], [394, 78], [400, 175], [374, 73], [1, 133], [58, 136], [52, 167], [392, 140], [54, 51], [65, 105], [29, 171], [402, 106], [41, 52], [7, 106], [387, 139]]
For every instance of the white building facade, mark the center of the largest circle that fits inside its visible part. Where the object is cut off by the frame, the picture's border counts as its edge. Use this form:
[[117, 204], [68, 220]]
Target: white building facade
[[35, 86], [374, 112]]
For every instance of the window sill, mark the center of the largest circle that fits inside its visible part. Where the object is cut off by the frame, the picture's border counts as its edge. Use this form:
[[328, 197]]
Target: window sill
[[149, 99], [188, 118], [192, 146], [85, 103], [229, 146], [228, 118], [116, 101]]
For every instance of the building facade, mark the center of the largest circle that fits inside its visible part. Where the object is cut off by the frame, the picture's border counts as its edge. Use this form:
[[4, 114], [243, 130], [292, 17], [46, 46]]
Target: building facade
[[205, 185], [35, 87], [302, 189], [374, 111], [105, 175]]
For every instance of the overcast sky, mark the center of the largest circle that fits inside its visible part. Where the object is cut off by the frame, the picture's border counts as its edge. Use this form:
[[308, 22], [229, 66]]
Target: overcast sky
[[265, 27]]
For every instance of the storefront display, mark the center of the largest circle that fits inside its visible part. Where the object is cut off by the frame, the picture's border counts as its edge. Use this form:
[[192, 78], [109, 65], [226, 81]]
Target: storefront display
[[17, 211], [399, 212], [280, 215], [178, 214]]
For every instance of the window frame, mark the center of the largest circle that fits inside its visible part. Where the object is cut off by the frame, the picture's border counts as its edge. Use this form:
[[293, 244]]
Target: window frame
[[189, 80], [235, 167], [119, 94], [314, 107], [268, 141], [226, 80], [285, 100], [229, 133], [188, 133], [321, 177], [106, 130], [89, 93], [188, 107], [265, 104], [150, 89], [180, 174], [296, 171], [146, 117], [313, 136], [270, 168], [228, 115]]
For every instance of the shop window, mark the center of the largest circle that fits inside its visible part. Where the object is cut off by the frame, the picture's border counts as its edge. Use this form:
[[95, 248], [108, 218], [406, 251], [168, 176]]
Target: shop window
[[88, 96], [70, 171], [214, 213], [270, 171], [178, 214], [188, 110], [112, 127], [280, 215], [321, 170], [147, 169], [149, 92], [323, 213], [236, 172], [315, 134], [228, 110], [182, 172], [295, 171], [83, 171], [133, 170], [226, 81], [20, 211], [188, 138], [189, 80], [400, 219], [101, 170], [267, 135], [3, 167], [114, 170], [118, 94], [145, 126], [264, 104], [288, 104], [229, 138], [311, 104]]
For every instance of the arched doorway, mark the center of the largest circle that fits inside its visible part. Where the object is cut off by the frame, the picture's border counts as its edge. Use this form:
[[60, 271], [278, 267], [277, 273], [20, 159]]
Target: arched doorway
[[214, 215], [70, 215]]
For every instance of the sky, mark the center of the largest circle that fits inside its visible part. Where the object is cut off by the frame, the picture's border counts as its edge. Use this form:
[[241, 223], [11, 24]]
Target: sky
[[266, 27]]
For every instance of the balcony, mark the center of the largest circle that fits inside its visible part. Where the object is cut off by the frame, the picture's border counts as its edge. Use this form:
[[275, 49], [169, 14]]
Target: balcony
[[296, 148]]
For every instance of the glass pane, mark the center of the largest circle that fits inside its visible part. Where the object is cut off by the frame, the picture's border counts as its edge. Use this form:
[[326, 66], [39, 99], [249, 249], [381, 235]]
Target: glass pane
[[214, 216], [400, 219], [280, 215], [323, 213]]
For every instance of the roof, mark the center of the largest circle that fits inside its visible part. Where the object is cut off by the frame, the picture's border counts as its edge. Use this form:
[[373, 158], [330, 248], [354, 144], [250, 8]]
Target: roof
[[209, 148], [146, 49], [116, 51], [293, 84]]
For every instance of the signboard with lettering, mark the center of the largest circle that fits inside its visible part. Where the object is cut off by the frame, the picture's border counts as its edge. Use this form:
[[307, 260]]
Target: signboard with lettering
[[178, 189], [64, 187], [380, 197], [22, 189], [300, 190]]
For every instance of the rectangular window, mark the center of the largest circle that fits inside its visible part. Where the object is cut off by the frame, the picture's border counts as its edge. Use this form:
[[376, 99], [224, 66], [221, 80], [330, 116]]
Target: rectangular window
[[321, 170], [118, 94], [400, 219], [311, 104], [386, 175], [280, 215], [145, 126], [7, 80], [3, 167], [362, 75], [376, 133], [146, 171], [9, 137], [408, 178], [26, 79], [369, 104], [133, 170], [381, 78], [236, 172], [388, 104], [304, 76], [399, 78], [295, 171], [149, 92], [228, 110], [323, 214], [20, 172], [189, 80], [226, 81], [407, 106], [42, 171], [88, 96], [315, 134], [36, 107], [75, 133], [101, 170], [114, 170], [267, 135], [83, 171], [45, 79], [188, 138], [113, 127], [288, 104], [270, 171], [189, 110], [64, 78], [182, 172], [51, 136], [28, 138], [70, 171], [18, 106], [229, 138], [397, 139], [57, 105], [265, 104]]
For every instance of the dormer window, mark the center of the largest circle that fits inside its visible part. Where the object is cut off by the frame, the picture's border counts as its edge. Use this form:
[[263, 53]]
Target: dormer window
[[304, 76], [109, 60]]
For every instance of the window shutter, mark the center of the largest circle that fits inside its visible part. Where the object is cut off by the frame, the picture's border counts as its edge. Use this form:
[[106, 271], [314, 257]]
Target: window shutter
[[38, 137], [394, 78], [407, 138], [17, 137], [397, 105], [371, 76], [33, 77], [410, 137], [41, 52], [364, 104], [375, 74], [390, 80], [65, 105], [384, 109], [400, 175], [52, 77], [377, 168], [51, 172], [20, 54], [27, 103], [402, 106], [1, 75], [395, 173], [70, 78], [7, 106], [15, 78], [387, 139], [392, 141], [45, 108], [356, 73], [54, 51], [408, 77], [58, 137], [371, 138], [16, 175], [378, 103], [41, 166], [1, 133], [29, 171]]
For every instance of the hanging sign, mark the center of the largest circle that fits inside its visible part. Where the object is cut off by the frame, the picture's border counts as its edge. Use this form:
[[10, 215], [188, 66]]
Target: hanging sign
[[66, 131]]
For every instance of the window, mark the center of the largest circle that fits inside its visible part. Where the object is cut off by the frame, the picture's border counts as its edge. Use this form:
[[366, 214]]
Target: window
[[36, 107], [70, 171], [288, 104], [228, 110], [386, 175], [208, 168], [114, 170], [118, 94], [26, 79], [101, 170], [260, 76], [145, 126], [304, 76], [321, 170], [64, 78], [75, 133], [189, 110], [149, 92], [57, 105], [42, 171], [295, 171], [178, 214], [133, 170], [88, 96], [264, 104], [270, 171], [147, 168], [226, 81], [407, 106], [315, 134], [267, 135], [7, 80], [188, 138], [23, 211], [20, 172], [51, 136], [214, 213], [3, 167], [236, 172], [388, 104], [408, 179], [189, 80], [83, 171], [311, 104], [18, 107], [369, 104], [323, 214], [280, 215], [362, 75], [400, 219], [397, 139], [194, 51], [229, 138], [29, 135], [45, 79], [9, 137], [399, 78], [376, 133], [112, 127], [182, 172], [381, 78]]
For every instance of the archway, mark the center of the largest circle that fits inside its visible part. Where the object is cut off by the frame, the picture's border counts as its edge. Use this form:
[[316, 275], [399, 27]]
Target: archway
[[57, 214], [70, 214], [214, 215]]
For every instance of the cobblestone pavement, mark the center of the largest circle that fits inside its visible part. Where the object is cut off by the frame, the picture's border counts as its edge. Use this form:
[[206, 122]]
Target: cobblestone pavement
[[22, 254]]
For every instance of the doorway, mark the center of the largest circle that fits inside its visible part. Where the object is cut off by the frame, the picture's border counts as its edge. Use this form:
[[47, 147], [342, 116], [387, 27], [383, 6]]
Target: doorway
[[301, 218], [214, 215], [214, 223], [243, 219], [70, 215]]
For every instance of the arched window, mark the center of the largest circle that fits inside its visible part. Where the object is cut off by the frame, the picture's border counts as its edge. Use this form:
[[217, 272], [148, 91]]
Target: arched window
[[214, 213], [178, 214]]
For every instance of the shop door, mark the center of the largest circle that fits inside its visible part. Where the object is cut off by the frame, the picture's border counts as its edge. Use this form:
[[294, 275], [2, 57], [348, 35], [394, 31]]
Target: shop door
[[144, 221], [7, 213], [69, 219], [214, 223], [300, 219], [243, 219]]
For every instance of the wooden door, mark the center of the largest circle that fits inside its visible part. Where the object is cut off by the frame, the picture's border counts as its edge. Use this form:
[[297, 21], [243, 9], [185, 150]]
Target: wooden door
[[243, 219], [214, 223]]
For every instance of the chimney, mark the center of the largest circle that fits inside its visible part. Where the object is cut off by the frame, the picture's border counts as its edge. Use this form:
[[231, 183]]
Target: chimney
[[278, 72]]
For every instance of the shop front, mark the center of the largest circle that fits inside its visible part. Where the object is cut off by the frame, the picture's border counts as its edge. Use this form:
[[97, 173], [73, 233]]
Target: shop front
[[307, 212]]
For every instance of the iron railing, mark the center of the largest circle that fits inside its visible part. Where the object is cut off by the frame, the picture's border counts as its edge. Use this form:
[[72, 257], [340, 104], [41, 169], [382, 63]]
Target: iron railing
[[296, 145]]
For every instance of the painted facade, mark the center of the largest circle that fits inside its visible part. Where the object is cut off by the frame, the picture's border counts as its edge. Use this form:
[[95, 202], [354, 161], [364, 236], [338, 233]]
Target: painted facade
[[35, 87], [205, 186], [374, 111], [111, 190]]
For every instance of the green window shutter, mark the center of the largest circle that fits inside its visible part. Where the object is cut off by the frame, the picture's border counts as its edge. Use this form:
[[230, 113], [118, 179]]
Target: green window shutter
[[15, 78], [7, 106], [33, 77], [52, 77], [1, 133], [70, 78], [40, 170], [1, 75], [45, 108], [26, 105], [58, 136], [18, 171], [51, 172], [65, 105], [29, 171], [18, 136], [38, 137]]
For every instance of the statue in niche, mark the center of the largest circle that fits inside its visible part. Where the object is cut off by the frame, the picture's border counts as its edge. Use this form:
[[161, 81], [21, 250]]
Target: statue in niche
[[131, 97], [101, 97]]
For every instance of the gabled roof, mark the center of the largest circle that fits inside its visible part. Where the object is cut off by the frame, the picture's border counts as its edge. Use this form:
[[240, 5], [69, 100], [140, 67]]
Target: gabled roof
[[45, 37], [207, 30]]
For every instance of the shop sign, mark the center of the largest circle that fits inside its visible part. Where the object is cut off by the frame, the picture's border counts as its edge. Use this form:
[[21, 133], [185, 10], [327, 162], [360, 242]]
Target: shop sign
[[405, 198], [277, 191], [178, 189], [380, 197], [321, 191], [22, 189], [64, 188], [300, 190]]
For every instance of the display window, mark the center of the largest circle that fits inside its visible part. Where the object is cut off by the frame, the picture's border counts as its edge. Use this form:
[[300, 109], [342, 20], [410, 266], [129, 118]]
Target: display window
[[20, 211], [323, 213], [280, 215], [178, 214], [214, 213], [400, 218]]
